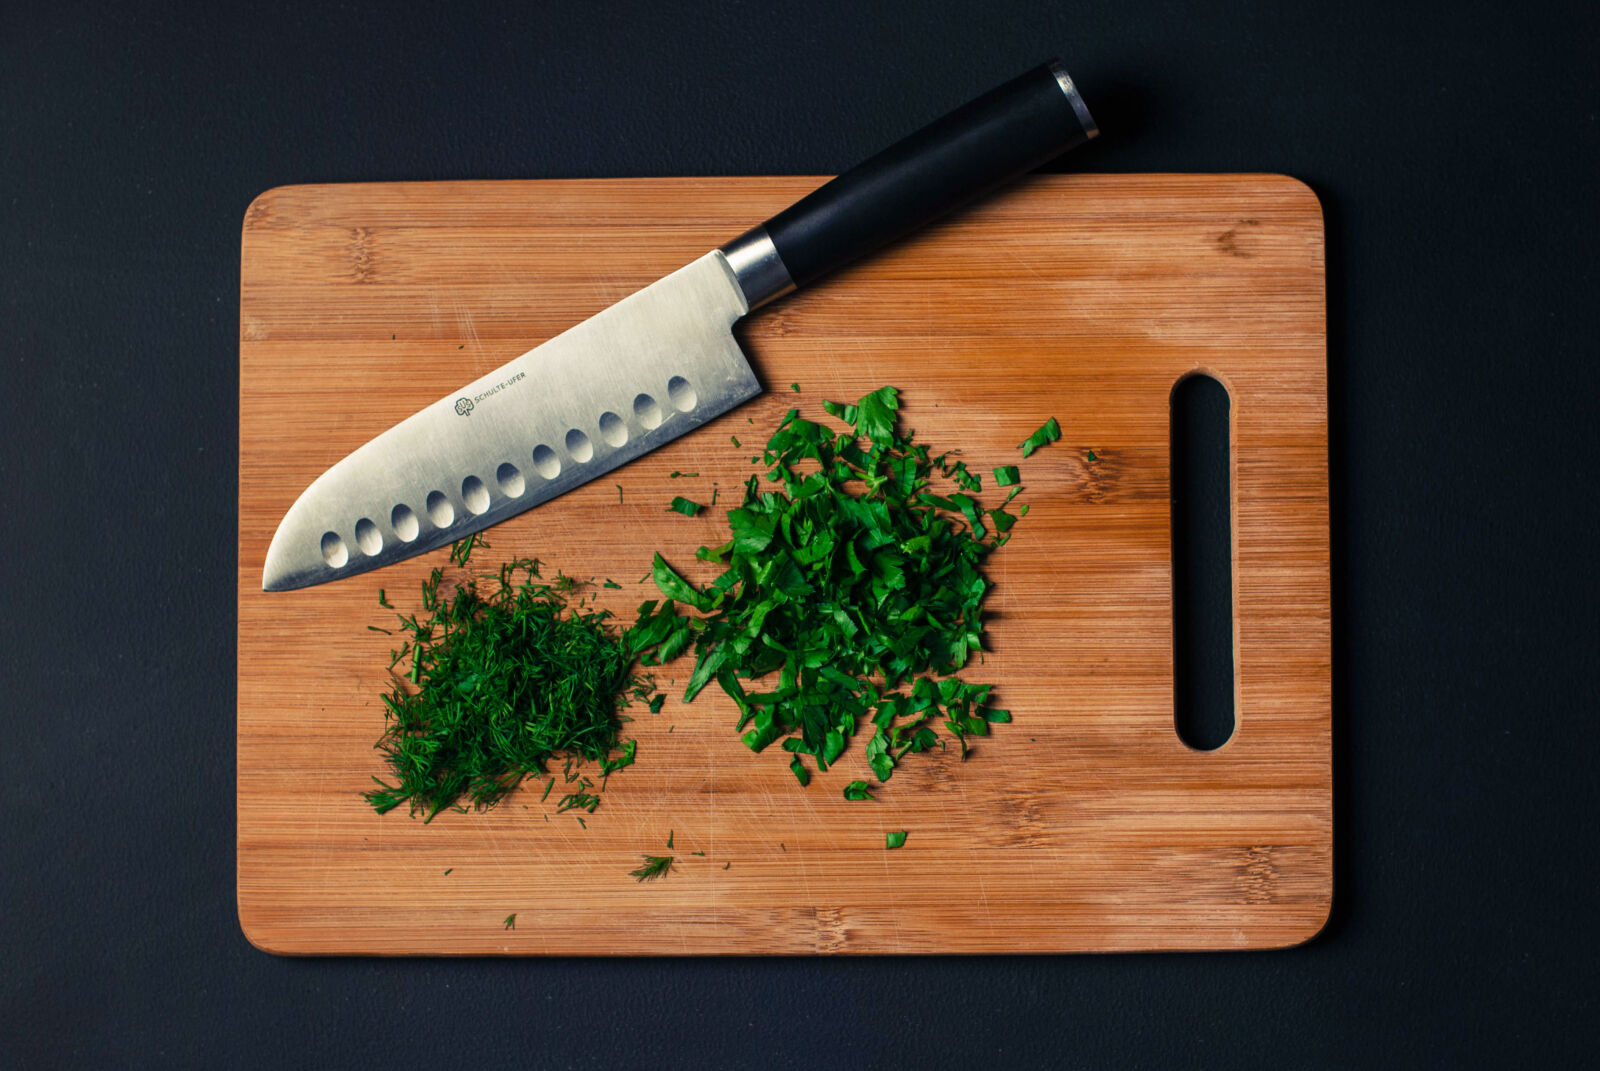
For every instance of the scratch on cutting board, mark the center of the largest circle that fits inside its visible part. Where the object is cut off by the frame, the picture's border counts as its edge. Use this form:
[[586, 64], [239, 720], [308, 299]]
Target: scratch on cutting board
[[468, 327], [716, 901], [966, 808], [1011, 252], [323, 849]]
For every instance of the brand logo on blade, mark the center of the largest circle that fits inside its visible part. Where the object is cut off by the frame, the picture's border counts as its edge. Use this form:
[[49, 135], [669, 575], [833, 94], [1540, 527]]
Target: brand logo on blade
[[465, 405]]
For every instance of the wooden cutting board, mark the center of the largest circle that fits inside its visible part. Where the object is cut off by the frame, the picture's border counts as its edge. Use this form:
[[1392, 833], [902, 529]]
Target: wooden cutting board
[[1085, 825]]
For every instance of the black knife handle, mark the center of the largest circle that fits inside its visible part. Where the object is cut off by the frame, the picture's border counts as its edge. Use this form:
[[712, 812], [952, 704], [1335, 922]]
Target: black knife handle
[[985, 143]]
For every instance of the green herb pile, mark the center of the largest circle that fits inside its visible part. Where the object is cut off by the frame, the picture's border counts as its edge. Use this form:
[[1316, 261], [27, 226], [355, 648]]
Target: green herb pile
[[502, 680], [847, 578]]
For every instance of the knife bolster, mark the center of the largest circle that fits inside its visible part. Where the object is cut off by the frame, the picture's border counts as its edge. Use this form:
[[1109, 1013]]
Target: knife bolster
[[760, 271]]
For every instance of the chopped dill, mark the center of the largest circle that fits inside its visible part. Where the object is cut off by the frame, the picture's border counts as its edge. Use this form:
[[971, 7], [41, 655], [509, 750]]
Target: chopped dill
[[505, 674], [654, 867], [462, 549]]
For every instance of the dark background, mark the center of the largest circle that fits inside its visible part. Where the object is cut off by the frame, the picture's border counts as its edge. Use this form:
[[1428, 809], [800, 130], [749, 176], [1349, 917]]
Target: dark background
[[1456, 150]]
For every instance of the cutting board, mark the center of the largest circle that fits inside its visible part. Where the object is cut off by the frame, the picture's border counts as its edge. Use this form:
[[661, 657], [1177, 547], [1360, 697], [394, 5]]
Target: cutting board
[[1085, 825]]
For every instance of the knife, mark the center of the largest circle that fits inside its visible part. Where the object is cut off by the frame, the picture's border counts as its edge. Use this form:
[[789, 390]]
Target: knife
[[658, 363]]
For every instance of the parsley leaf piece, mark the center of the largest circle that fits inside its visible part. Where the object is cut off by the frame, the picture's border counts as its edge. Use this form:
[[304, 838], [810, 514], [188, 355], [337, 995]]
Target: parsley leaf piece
[[1007, 475], [684, 506], [676, 587], [875, 416], [1048, 433], [894, 840], [857, 790]]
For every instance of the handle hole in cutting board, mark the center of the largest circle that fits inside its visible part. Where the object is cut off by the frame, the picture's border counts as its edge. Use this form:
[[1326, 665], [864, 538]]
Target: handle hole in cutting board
[[1202, 562]]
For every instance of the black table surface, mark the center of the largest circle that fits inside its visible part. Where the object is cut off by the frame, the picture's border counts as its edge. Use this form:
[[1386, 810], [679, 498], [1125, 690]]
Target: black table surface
[[1456, 150]]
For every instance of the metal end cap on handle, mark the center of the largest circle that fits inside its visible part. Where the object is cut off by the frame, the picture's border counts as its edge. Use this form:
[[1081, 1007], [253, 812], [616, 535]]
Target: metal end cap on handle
[[1090, 128]]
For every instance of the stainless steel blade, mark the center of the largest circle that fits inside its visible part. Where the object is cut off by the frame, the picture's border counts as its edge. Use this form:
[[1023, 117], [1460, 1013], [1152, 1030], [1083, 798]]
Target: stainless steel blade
[[656, 364]]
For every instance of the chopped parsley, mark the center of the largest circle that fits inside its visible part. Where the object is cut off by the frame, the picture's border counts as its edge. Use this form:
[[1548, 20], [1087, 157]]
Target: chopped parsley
[[843, 569]]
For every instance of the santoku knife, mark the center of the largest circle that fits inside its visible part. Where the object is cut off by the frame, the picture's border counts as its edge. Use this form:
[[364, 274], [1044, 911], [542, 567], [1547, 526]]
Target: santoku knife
[[656, 364]]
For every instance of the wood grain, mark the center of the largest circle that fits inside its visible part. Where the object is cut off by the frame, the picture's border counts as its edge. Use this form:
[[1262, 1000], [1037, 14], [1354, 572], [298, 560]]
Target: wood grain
[[1086, 825]]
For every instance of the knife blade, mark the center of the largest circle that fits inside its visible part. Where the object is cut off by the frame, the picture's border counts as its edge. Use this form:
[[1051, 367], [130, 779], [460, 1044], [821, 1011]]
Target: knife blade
[[656, 364]]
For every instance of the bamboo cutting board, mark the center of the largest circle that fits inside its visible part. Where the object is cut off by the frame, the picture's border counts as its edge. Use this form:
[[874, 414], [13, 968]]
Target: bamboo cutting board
[[1085, 825]]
